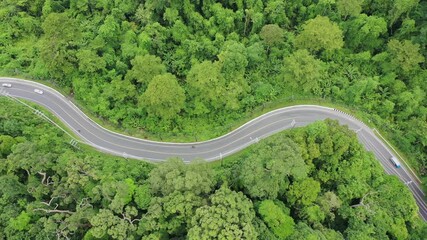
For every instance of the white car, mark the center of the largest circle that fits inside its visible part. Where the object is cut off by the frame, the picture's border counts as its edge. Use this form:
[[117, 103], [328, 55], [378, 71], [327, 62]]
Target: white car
[[8, 85], [38, 91]]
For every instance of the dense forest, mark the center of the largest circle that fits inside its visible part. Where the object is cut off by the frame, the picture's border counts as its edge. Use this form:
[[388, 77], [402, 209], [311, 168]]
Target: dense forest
[[315, 182], [191, 67]]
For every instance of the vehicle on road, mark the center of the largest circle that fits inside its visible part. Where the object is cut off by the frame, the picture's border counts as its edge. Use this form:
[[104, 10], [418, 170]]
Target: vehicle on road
[[38, 91], [8, 85], [395, 162]]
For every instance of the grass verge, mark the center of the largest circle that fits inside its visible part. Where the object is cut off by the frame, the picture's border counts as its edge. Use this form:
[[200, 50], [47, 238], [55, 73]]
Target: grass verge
[[219, 131]]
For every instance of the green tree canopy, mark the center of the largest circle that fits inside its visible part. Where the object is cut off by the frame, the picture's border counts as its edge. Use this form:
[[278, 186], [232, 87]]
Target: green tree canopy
[[164, 97], [320, 33], [61, 36], [266, 172], [349, 7], [207, 87], [280, 223], [145, 68], [405, 55], [228, 215], [302, 70], [303, 192], [272, 34]]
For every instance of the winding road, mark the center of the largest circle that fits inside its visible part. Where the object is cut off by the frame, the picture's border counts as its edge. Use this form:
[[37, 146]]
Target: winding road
[[251, 132]]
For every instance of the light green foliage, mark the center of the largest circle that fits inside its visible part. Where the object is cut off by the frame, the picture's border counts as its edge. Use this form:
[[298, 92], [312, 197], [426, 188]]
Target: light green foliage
[[81, 186], [145, 68], [266, 172], [206, 86], [276, 13], [124, 191], [142, 196], [272, 35], [106, 52], [302, 70], [363, 32], [224, 17], [61, 35], [209, 88], [304, 231], [400, 7], [376, 208], [349, 7], [312, 214], [178, 190], [227, 216], [318, 34], [21, 222], [405, 55], [303, 192], [228, 58], [328, 203], [233, 60], [89, 61], [322, 178], [109, 31], [129, 45], [6, 144], [106, 224], [80, 6], [177, 176], [164, 97], [281, 224]]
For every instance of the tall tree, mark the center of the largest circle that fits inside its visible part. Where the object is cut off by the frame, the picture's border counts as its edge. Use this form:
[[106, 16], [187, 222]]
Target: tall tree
[[272, 35], [145, 68], [178, 190], [280, 223], [61, 37], [399, 7], [349, 7], [207, 86], [164, 97], [303, 193], [302, 70], [228, 215], [364, 33], [318, 34], [266, 172], [405, 55]]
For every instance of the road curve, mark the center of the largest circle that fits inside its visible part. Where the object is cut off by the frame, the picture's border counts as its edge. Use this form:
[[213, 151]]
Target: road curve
[[251, 132]]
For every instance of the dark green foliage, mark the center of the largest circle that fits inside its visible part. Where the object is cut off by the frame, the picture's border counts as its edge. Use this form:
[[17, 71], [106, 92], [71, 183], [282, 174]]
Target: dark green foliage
[[266, 173], [214, 62], [50, 189], [228, 56], [228, 215], [315, 182]]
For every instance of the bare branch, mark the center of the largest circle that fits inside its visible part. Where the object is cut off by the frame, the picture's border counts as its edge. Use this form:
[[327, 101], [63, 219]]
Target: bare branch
[[84, 202], [44, 176], [129, 219], [46, 180], [53, 211], [363, 199]]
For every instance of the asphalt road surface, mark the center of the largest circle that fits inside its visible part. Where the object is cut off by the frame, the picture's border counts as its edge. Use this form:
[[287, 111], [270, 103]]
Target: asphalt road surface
[[249, 133]]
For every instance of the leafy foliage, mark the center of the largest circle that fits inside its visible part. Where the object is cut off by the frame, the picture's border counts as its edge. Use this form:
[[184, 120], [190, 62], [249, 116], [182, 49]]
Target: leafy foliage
[[141, 64], [321, 184], [229, 57]]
